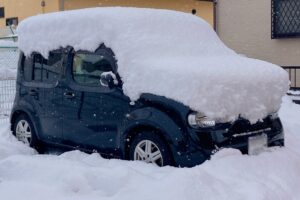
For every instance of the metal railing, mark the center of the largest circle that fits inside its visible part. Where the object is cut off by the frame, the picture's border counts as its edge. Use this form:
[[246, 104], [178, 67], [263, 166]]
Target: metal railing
[[294, 75], [7, 95], [9, 56]]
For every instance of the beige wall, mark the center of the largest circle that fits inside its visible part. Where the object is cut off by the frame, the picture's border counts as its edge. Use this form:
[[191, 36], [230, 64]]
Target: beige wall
[[26, 8], [204, 9], [245, 26]]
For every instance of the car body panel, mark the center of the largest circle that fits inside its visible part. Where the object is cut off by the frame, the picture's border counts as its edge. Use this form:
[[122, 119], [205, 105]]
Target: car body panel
[[103, 119]]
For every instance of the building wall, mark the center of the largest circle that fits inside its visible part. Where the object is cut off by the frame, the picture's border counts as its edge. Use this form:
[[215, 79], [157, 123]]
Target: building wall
[[204, 9], [245, 26], [25, 8]]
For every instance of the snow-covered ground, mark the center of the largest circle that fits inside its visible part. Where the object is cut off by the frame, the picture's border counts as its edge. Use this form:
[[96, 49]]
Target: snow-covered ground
[[229, 175]]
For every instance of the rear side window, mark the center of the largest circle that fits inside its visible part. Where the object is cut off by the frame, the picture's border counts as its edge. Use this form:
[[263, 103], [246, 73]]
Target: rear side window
[[39, 69], [87, 68]]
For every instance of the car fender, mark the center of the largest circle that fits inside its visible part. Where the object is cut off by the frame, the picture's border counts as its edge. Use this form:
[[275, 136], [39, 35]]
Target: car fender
[[155, 119], [28, 109]]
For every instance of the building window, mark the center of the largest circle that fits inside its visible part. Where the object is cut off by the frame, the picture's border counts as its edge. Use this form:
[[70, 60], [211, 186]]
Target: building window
[[2, 14], [12, 21], [285, 18]]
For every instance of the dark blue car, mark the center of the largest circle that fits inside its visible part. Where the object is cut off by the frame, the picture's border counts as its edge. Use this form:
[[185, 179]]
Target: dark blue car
[[74, 99]]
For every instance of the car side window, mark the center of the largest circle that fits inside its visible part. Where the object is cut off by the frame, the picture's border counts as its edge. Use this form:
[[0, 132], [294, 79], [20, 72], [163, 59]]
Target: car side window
[[39, 69], [88, 67]]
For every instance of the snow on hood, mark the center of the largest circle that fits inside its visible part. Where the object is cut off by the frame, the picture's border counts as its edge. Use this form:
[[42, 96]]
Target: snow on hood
[[166, 53]]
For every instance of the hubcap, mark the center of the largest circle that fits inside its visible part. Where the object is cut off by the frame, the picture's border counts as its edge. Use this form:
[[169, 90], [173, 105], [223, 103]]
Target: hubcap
[[23, 132], [148, 152]]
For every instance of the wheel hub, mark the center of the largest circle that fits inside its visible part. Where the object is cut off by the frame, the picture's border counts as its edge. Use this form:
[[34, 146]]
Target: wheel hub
[[148, 152], [23, 132]]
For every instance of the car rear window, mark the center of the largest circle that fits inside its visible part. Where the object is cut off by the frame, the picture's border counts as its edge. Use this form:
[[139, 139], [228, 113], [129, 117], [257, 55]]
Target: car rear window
[[39, 69]]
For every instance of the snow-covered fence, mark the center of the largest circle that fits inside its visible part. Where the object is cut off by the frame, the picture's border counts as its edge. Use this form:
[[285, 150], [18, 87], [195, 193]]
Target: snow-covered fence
[[294, 75], [9, 56], [7, 95]]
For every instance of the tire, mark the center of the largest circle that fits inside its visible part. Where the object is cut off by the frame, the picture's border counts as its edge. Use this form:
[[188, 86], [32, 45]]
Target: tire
[[146, 143], [23, 130]]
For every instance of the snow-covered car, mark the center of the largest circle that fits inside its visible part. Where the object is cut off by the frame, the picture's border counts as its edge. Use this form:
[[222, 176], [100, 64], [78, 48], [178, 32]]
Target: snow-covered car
[[142, 84]]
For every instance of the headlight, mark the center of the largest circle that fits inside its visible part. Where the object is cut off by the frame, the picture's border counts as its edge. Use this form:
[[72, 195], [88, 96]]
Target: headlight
[[200, 120], [273, 115]]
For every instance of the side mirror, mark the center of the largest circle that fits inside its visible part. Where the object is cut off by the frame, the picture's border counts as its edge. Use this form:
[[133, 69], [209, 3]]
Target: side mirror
[[108, 79]]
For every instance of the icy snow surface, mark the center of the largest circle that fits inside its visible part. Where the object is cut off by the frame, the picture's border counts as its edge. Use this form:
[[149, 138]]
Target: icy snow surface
[[229, 175], [167, 53]]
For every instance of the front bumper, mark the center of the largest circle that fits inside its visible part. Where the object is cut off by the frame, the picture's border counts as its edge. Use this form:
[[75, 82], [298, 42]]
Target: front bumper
[[205, 141]]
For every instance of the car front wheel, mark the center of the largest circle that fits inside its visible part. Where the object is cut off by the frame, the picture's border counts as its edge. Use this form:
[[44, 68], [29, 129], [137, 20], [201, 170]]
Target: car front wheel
[[148, 147]]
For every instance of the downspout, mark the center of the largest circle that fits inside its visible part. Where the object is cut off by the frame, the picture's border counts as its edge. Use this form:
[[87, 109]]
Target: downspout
[[215, 2], [43, 4], [61, 5]]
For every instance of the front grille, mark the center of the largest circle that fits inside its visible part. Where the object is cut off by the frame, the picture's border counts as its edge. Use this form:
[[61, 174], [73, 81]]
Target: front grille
[[242, 126], [236, 135], [252, 132]]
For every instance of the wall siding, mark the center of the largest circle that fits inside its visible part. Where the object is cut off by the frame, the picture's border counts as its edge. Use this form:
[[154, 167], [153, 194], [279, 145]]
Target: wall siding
[[245, 26]]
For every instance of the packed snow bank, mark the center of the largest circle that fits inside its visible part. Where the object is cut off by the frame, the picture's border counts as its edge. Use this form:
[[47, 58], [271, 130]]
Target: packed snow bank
[[167, 53], [272, 175]]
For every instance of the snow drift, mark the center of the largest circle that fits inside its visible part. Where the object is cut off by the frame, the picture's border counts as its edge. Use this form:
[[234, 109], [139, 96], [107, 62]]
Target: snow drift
[[166, 53], [79, 176]]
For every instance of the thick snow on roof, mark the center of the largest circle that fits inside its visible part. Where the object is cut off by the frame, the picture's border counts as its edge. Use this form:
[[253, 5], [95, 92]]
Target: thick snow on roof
[[167, 53]]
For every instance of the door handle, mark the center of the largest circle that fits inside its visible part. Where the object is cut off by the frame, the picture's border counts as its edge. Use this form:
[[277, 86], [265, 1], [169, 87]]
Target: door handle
[[33, 93], [69, 95]]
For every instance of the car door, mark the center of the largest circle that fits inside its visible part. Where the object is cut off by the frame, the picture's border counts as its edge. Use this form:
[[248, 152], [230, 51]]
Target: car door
[[82, 101]]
